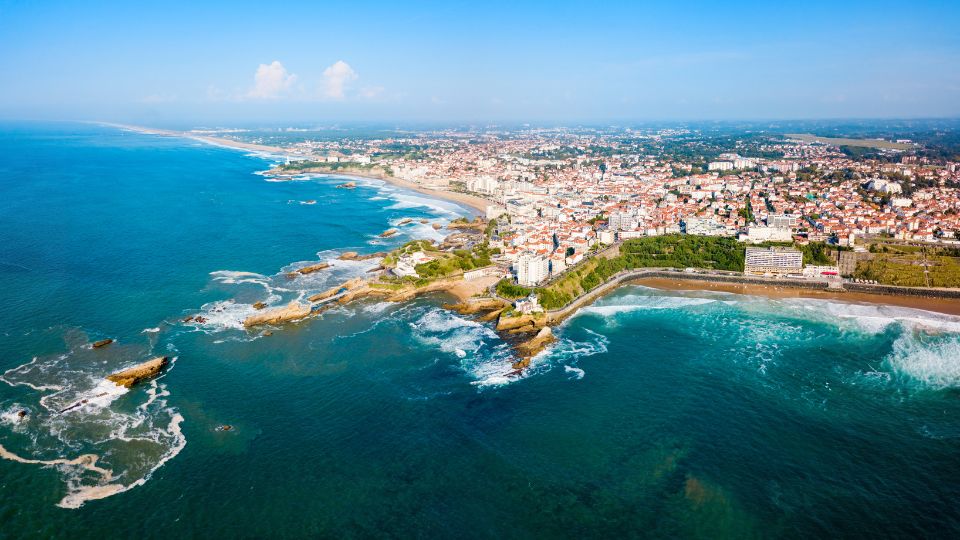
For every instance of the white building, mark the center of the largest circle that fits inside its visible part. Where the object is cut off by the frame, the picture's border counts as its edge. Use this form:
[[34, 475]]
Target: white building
[[901, 202], [720, 166], [483, 184], [782, 221], [756, 234], [744, 163], [531, 269], [775, 260], [884, 186], [620, 221], [528, 305], [406, 265]]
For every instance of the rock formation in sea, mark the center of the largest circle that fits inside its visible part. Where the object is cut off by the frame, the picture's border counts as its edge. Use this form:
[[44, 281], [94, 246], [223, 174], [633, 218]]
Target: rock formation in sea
[[291, 312], [310, 269], [333, 291], [129, 377], [536, 344]]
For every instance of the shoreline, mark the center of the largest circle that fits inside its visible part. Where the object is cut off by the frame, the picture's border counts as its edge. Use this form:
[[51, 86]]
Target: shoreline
[[945, 306], [679, 281], [471, 202]]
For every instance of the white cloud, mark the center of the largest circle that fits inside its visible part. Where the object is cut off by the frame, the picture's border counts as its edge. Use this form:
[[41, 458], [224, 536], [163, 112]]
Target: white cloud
[[271, 81], [336, 78]]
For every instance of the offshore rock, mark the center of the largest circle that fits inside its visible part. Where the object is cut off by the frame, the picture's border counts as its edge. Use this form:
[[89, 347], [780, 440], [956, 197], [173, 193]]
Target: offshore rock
[[259, 305], [102, 343], [140, 372], [388, 233], [539, 342], [348, 255], [312, 268], [291, 312]]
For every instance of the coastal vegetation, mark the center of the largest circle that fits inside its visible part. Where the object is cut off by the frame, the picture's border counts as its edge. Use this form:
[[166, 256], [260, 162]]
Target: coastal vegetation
[[339, 166], [911, 266], [457, 261], [510, 290], [672, 251]]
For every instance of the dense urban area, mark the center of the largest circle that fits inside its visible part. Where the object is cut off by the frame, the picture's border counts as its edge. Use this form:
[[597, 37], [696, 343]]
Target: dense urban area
[[868, 209]]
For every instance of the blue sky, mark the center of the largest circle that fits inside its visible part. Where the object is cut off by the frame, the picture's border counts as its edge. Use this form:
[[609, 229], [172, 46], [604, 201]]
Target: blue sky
[[478, 61]]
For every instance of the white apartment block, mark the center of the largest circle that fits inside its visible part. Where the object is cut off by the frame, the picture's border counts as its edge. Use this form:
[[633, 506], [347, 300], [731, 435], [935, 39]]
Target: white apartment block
[[531, 269], [775, 260], [720, 166]]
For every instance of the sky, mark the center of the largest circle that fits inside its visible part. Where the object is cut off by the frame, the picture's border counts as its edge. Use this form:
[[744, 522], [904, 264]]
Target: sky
[[234, 62]]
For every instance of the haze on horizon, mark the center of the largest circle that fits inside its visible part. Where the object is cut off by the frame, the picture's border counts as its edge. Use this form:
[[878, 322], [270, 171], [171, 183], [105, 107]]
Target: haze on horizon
[[229, 62]]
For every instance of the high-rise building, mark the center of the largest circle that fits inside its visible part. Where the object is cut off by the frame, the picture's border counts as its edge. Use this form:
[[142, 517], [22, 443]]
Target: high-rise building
[[774, 260], [531, 269]]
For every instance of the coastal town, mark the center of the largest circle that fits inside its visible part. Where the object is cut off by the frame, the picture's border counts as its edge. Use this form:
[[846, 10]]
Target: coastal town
[[557, 195], [562, 217]]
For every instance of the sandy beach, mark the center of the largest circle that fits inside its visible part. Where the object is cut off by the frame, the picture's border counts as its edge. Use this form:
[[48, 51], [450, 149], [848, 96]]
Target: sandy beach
[[478, 204], [939, 305]]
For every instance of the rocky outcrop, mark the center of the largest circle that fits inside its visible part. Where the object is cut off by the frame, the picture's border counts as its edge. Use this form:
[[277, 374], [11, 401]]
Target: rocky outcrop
[[471, 306], [492, 316], [347, 185], [388, 233], [102, 343], [437, 226], [525, 329], [375, 255], [291, 312], [477, 224], [259, 305], [129, 377], [404, 221], [539, 342], [310, 269], [348, 255], [513, 322], [333, 291]]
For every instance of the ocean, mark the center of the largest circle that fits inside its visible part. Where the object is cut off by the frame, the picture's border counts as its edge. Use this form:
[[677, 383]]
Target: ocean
[[657, 413]]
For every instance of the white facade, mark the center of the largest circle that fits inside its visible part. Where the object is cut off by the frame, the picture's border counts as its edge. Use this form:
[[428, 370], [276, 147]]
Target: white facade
[[720, 166], [777, 261], [531, 269], [768, 234], [782, 221]]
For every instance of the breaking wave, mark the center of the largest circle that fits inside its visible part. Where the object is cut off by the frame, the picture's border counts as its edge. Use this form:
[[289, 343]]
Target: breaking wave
[[931, 360], [634, 302], [115, 438]]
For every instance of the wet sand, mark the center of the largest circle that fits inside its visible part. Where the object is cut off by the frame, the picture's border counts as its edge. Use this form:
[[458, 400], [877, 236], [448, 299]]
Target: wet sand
[[948, 306]]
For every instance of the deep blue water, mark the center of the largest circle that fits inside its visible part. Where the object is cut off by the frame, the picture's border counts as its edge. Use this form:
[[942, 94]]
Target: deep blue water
[[657, 414]]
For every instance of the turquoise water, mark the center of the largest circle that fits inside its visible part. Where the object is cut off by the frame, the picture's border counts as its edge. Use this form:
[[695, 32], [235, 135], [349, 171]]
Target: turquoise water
[[658, 414]]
